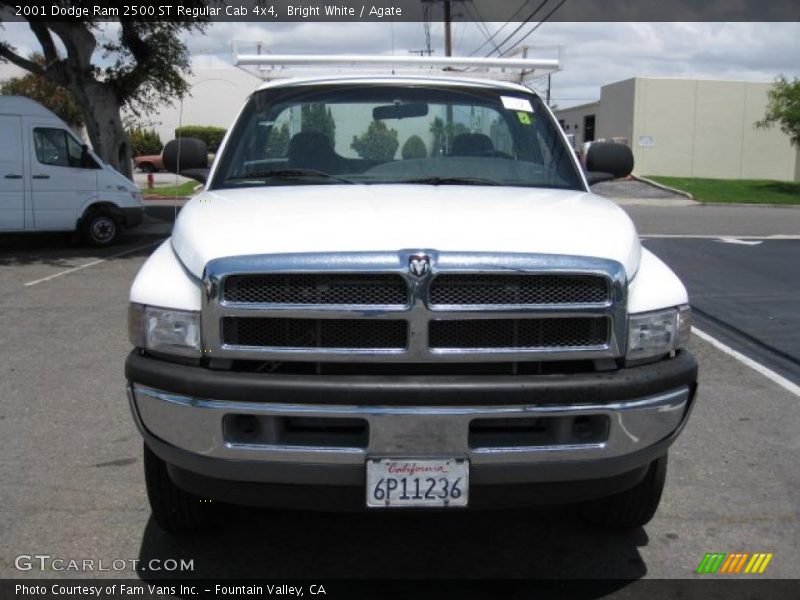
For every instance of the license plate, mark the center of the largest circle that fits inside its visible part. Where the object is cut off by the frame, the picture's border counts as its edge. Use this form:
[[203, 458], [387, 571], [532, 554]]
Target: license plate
[[394, 482]]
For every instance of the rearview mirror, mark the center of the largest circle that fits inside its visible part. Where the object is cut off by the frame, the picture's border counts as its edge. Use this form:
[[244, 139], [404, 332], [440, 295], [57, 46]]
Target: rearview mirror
[[400, 110], [607, 160], [188, 157]]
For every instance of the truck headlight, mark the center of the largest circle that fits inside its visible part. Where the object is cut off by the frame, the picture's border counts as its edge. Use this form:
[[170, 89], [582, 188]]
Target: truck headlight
[[165, 330], [657, 333]]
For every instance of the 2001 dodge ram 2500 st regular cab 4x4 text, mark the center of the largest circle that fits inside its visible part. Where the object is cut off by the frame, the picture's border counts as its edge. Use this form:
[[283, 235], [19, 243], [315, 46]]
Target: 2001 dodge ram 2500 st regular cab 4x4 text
[[399, 292]]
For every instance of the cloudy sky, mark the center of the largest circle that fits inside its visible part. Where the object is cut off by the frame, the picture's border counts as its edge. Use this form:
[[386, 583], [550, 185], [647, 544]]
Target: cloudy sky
[[594, 53]]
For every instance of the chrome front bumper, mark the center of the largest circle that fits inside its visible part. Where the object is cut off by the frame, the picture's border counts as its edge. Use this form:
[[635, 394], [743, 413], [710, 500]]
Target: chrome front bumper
[[196, 426]]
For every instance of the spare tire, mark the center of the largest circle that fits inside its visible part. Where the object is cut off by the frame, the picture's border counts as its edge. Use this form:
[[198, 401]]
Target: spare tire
[[185, 153], [608, 157]]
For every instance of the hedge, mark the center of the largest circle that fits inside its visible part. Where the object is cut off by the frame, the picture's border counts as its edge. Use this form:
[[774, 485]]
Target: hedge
[[144, 141], [212, 136]]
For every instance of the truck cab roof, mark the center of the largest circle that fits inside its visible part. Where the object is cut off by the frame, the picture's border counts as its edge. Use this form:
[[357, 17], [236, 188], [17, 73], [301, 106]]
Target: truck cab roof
[[397, 80]]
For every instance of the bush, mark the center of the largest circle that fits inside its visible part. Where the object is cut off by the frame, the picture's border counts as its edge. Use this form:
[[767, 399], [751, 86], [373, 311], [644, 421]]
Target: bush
[[212, 136], [378, 142], [414, 148], [144, 141]]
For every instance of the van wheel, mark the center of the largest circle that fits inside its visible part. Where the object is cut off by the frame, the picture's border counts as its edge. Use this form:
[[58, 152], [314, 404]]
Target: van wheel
[[100, 228], [174, 510], [632, 508]]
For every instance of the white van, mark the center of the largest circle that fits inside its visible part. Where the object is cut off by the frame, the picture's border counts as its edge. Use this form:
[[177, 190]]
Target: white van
[[51, 181]]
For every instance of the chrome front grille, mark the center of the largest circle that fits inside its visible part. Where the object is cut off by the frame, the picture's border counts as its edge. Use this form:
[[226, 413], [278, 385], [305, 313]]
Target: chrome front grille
[[319, 288], [473, 307], [486, 289], [520, 334], [314, 333]]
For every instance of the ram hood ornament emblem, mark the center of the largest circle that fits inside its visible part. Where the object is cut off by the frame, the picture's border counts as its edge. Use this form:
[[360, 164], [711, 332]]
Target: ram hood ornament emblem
[[419, 265]]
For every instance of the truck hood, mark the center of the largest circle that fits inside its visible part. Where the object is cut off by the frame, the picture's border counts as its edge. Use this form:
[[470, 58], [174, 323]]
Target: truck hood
[[353, 218]]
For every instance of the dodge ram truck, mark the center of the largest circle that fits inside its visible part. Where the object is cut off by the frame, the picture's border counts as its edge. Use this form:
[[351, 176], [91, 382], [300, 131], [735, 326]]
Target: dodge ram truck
[[398, 292]]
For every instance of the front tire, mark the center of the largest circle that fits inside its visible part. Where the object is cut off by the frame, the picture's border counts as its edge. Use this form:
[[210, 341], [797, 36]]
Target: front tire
[[632, 508], [100, 228], [174, 510]]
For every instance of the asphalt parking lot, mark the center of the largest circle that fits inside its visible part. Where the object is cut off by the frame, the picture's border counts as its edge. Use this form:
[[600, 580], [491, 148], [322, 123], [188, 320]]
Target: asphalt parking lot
[[71, 467]]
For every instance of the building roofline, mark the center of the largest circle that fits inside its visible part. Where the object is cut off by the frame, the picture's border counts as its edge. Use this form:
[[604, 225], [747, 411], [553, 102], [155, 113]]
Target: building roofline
[[584, 105]]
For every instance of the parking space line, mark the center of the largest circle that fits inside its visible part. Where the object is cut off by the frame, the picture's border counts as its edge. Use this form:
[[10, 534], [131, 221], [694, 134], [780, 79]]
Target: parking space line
[[701, 236], [768, 373], [91, 264]]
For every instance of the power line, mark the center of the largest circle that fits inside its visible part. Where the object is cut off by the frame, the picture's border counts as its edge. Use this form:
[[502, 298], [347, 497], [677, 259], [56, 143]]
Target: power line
[[503, 26], [479, 21], [521, 25], [539, 24]]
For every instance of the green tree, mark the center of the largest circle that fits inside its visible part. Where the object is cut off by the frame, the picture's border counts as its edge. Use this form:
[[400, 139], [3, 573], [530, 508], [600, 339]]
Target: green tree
[[378, 142], [441, 134], [318, 117], [783, 108], [414, 148], [55, 97], [142, 67], [278, 141]]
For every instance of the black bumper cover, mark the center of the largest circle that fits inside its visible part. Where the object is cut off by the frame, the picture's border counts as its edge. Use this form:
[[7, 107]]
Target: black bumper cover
[[600, 388], [133, 216], [340, 487]]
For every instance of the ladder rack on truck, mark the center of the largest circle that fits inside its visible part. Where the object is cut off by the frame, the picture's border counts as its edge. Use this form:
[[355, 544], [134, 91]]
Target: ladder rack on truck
[[519, 69]]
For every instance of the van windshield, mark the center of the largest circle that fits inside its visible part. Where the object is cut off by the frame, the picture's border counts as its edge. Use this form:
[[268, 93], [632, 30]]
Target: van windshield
[[391, 134]]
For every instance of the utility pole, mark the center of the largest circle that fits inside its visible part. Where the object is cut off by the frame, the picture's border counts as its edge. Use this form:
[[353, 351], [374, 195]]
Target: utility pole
[[548, 89], [448, 37], [448, 20], [448, 43]]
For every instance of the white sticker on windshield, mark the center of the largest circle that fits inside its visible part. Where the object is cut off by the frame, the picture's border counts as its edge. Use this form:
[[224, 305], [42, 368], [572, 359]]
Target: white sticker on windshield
[[516, 103]]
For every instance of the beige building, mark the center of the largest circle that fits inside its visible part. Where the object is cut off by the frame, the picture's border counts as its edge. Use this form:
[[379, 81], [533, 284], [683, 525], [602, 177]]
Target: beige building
[[688, 128]]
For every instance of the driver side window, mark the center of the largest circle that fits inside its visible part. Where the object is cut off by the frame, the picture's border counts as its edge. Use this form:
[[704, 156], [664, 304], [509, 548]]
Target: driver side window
[[58, 148]]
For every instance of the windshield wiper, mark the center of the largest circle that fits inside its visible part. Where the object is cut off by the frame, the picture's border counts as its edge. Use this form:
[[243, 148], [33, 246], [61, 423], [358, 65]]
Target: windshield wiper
[[452, 181], [288, 174]]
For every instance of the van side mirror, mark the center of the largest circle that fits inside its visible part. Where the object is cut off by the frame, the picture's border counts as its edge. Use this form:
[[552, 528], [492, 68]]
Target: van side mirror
[[188, 157], [607, 160], [87, 162]]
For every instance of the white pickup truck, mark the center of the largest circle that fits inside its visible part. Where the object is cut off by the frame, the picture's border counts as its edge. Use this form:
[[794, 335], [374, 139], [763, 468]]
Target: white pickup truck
[[398, 292]]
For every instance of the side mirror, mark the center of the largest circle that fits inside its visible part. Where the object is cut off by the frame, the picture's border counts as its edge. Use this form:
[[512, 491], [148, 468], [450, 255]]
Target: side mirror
[[188, 157], [607, 160], [87, 162]]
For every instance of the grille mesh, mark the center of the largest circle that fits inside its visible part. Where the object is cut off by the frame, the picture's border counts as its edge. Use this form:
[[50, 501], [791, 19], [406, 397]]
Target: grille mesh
[[315, 333], [474, 289], [291, 288], [569, 332]]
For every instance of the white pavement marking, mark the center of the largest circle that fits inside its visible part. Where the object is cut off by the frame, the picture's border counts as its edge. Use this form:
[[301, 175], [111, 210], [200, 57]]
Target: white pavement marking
[[768, 373], [91, 264], [681, 236], [733, 240]]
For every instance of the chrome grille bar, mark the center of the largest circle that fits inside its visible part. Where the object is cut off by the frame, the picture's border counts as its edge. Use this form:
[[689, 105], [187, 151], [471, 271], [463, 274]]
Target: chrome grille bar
[[536, 295]]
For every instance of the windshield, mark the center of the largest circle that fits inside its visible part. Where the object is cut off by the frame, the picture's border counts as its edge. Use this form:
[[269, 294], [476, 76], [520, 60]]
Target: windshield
[[391, 134]]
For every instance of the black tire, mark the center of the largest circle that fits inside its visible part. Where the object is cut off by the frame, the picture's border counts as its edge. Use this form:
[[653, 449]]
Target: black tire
[[147, 167], [632, 508], [100, 228], [174, 510]]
